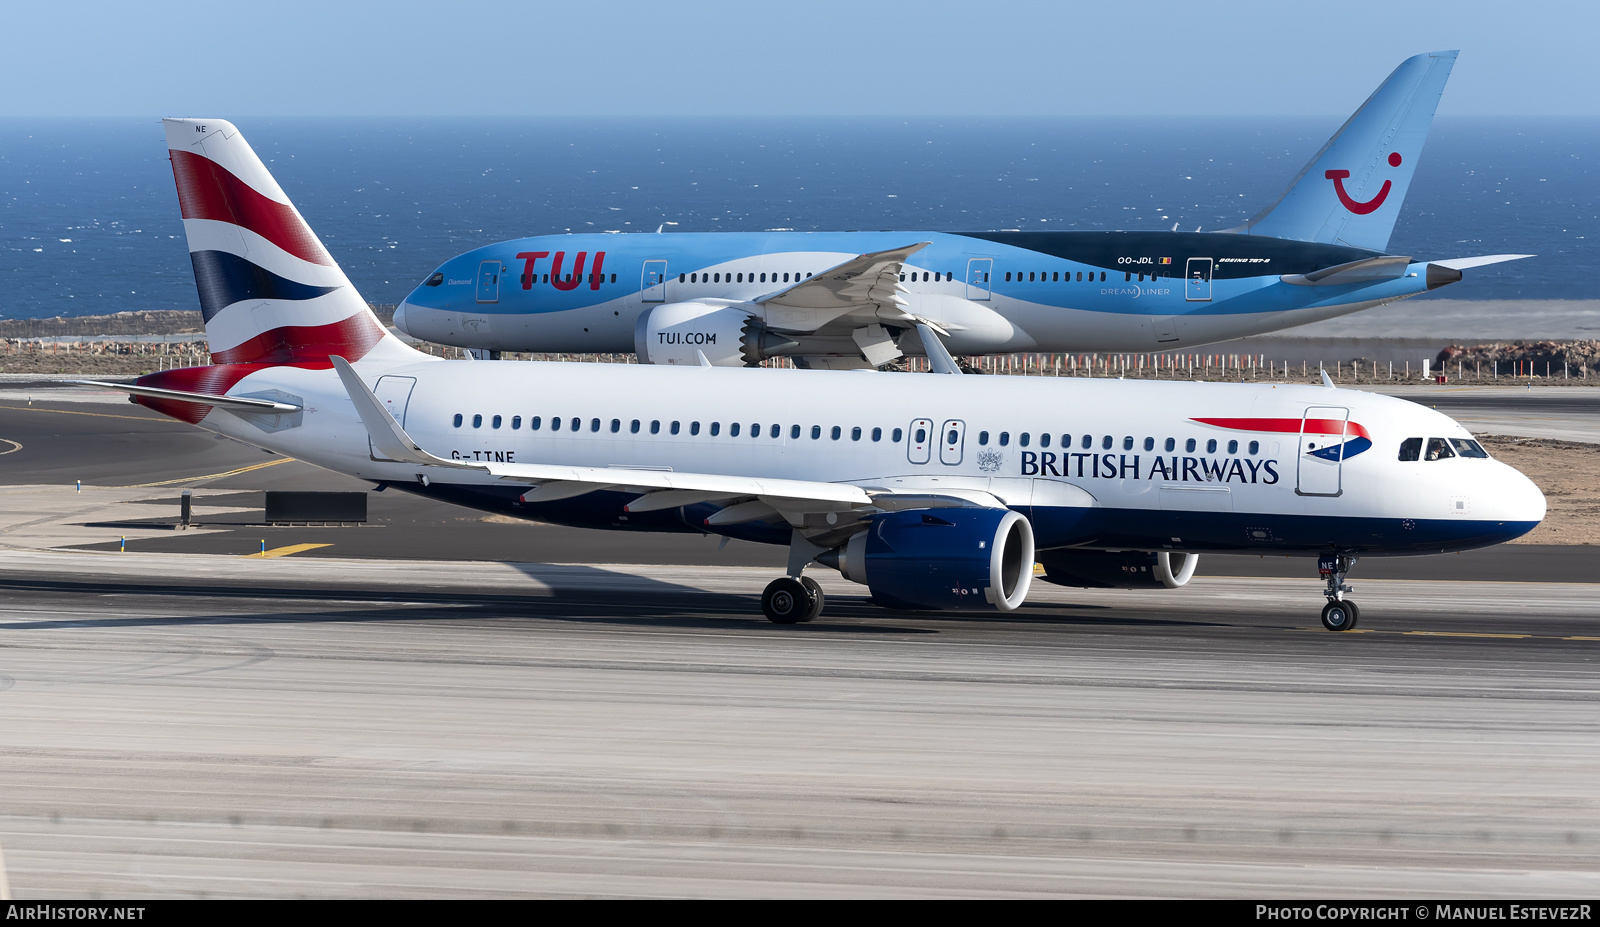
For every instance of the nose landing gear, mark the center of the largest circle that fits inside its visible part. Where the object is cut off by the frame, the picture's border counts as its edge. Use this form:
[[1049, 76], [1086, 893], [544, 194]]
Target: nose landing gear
[[1340, 614]]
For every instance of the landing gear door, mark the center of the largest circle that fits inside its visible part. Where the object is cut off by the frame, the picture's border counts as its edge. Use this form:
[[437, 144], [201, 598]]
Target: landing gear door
[[952, 437], [395, 394], [919, 441], [1320, 464], [1197, 280], [978, 270], [489, 282], [654, 283]]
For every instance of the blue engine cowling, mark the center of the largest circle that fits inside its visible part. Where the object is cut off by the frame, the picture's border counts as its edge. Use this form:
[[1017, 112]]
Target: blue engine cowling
[[942, 559]]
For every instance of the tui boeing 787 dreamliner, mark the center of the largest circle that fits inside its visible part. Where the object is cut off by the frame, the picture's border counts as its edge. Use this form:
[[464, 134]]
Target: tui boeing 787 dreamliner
[[854, 299]]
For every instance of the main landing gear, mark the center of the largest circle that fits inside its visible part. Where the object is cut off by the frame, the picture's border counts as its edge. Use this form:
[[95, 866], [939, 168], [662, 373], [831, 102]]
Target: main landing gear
[[1340, 614], [796, 598], [788, 600]]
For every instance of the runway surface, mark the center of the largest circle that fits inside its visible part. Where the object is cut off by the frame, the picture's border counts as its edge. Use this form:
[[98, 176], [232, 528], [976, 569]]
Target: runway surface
[[213, 725], [396, 714]]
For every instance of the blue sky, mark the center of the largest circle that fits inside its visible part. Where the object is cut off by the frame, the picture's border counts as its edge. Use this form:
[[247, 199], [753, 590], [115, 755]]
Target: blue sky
[[820, 57]]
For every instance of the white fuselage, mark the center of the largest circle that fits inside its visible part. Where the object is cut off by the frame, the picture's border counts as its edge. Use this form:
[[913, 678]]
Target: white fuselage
[[1123, 489]]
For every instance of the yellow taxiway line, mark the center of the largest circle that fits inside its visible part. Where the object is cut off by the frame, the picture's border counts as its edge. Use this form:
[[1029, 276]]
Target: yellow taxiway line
[[285, 551]]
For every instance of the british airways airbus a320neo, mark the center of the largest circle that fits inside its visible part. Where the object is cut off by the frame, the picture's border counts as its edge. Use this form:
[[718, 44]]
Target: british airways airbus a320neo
[[934, 491], [853, 299]]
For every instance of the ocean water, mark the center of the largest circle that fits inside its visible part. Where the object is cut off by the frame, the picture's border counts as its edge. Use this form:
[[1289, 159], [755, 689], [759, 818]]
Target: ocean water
[[89, 219]]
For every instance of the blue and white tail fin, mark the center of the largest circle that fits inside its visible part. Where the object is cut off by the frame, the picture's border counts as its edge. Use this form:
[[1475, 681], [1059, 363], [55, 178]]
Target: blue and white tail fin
[[269, 292], [1350, 193]]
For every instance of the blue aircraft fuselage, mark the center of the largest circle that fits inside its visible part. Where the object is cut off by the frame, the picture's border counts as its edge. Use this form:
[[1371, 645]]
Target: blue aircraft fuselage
[[992, 291]]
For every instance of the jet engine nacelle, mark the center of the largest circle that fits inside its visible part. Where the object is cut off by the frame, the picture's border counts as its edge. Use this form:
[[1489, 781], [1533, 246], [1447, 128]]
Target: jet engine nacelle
[[942, 559], [1118, 569], [725, 332]]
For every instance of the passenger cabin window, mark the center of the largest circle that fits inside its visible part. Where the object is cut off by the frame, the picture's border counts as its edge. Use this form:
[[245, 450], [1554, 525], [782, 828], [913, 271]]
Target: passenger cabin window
[[577, 423], [715, 427], [1255, 448], [1189, 445], [694, 428], [855, 434], [1127, 443], [1233, 447], [1171, 444], [877, 434], [1087, 442], [733, 430], [895, 436], [1022, 439], [1211, 446], [516, 422], [1438, 449], [837, 432], [655, 427], [1044, 440], [673, 428], [534, 423], [494, 422], [794, 432], [1149, 444], [983, 439], [816, 432], [1105, 443], [477, 421], [633, 427], [1005, 437]]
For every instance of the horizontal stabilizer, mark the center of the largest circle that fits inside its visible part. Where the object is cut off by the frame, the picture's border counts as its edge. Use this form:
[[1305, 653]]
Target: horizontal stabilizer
[[1464, 263], [232, 403], [1363, 271]]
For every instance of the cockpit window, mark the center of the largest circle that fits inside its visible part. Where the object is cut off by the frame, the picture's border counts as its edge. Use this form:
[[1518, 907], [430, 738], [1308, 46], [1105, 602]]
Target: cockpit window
[[1438, 449], [1467, 447], [436, 279], [1411, 449]]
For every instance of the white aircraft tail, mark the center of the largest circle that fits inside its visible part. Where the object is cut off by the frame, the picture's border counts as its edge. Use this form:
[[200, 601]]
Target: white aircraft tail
[[270, 293]]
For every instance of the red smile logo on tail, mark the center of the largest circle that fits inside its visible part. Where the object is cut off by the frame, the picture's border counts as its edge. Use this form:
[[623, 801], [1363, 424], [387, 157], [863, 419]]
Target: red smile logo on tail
[[1371, 205]]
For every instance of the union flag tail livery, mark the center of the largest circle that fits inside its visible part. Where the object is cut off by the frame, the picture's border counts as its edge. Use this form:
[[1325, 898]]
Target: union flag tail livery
[[1350, 192], [269, 291]]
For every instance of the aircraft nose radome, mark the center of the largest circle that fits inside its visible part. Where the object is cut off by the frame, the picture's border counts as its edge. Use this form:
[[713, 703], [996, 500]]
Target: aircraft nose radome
[[1524, 499], [1516, 498], [400, 318]]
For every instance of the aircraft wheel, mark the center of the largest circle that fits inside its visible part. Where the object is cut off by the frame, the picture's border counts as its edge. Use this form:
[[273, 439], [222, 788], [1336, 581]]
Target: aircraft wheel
[[817, 598], [786, 601], [1340, 615]]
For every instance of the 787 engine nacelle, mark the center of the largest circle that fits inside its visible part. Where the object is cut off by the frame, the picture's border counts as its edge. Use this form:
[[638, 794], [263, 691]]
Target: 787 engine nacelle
[[726, 332]]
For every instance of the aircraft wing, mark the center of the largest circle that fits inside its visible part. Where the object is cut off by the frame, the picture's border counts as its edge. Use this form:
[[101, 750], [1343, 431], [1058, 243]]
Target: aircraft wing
[[867, 285], [552, 482], [747, 498]]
